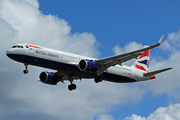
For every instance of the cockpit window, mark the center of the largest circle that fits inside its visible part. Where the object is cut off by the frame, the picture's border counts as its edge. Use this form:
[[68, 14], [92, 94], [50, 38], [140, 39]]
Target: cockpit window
[[17, 46]]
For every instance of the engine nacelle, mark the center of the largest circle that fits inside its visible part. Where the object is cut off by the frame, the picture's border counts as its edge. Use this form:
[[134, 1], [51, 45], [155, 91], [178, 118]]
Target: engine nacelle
[[48, 78], [88, 66]]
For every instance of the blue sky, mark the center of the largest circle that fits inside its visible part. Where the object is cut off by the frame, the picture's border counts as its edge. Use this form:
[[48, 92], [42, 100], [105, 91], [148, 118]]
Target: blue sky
[[117, 22], [98, 29]]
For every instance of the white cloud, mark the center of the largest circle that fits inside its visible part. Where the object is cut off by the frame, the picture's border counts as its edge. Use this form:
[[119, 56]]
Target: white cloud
[[32, 26], [172, 112], [127, 48], [135, 117], [105, 117], [89, 98], [172, 43]]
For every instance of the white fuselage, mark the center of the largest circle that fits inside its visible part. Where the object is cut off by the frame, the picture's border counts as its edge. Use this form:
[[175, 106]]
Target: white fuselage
[[63, 61]]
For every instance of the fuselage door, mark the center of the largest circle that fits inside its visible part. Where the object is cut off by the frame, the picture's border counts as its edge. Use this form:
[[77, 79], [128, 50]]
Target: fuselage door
[[137, 73], [31, 50]]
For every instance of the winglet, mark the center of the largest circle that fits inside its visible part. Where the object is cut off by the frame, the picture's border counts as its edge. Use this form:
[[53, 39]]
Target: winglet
[[160, 40]]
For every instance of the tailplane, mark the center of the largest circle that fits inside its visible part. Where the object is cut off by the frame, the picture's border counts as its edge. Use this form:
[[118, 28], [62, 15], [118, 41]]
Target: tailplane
[[156, 72], [142, 62]]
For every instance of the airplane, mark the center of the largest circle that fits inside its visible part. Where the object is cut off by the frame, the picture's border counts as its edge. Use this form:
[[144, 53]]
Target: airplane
[[72, 67]]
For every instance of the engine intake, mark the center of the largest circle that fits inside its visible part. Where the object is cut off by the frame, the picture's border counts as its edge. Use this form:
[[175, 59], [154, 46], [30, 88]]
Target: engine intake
[[88, 66], [48, 78]]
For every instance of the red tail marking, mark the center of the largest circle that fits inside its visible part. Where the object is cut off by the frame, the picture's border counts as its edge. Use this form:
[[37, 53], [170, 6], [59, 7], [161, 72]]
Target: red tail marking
[[140, 67], [145, 53]]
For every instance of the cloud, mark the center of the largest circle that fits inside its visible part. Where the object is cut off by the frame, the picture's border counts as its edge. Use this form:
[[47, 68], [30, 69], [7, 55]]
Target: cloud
[[32, 26], [51, 99], [127, 48], [105, 117], [135, 117], [172, 112], [172, 43]]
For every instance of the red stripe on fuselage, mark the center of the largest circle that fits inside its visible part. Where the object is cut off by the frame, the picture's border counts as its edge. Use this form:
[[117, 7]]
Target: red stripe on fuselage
[[33, 46]]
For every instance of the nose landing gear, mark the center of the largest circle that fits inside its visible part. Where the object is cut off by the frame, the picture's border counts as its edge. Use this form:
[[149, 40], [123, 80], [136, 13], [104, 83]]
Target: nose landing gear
[[26, 66]]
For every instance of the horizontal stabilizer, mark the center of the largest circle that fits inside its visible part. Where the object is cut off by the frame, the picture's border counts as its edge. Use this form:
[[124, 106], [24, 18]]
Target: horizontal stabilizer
[[156, 72]]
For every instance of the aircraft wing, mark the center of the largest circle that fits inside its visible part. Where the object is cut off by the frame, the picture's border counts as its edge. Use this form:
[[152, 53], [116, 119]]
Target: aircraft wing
[[118, 59]]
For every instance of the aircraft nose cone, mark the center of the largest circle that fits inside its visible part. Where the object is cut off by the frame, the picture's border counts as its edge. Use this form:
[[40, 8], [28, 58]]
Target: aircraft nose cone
[[9, 53]]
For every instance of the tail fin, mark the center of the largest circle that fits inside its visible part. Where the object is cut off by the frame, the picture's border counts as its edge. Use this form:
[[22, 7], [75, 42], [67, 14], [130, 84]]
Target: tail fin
[[142, 62]]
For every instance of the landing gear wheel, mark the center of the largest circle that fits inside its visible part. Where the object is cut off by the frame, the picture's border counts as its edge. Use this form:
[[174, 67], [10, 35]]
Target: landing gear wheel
[[72, 87], [97, 79], [25, 71]]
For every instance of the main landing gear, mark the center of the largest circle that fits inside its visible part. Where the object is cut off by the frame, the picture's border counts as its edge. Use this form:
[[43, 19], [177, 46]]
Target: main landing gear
[[72, 87], [26, 66], [97, 79]]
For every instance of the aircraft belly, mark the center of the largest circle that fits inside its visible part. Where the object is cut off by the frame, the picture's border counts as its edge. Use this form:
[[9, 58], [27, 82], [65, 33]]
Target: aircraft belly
[[116, 78], [68, 69], [119, 74], [114, 74]]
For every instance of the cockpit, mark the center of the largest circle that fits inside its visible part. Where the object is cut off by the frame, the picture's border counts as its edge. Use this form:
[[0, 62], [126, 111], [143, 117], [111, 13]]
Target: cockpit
[[17, 46]]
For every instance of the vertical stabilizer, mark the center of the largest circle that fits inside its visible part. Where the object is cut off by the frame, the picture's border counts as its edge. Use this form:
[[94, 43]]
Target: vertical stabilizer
[[142, 62]]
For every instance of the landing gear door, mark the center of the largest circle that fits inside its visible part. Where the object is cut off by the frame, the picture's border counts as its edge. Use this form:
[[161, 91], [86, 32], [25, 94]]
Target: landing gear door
[[31, 50]]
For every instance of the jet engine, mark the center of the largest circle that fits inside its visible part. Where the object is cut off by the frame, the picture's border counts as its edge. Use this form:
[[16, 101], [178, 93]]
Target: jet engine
[[88, 66], [48, 78]]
